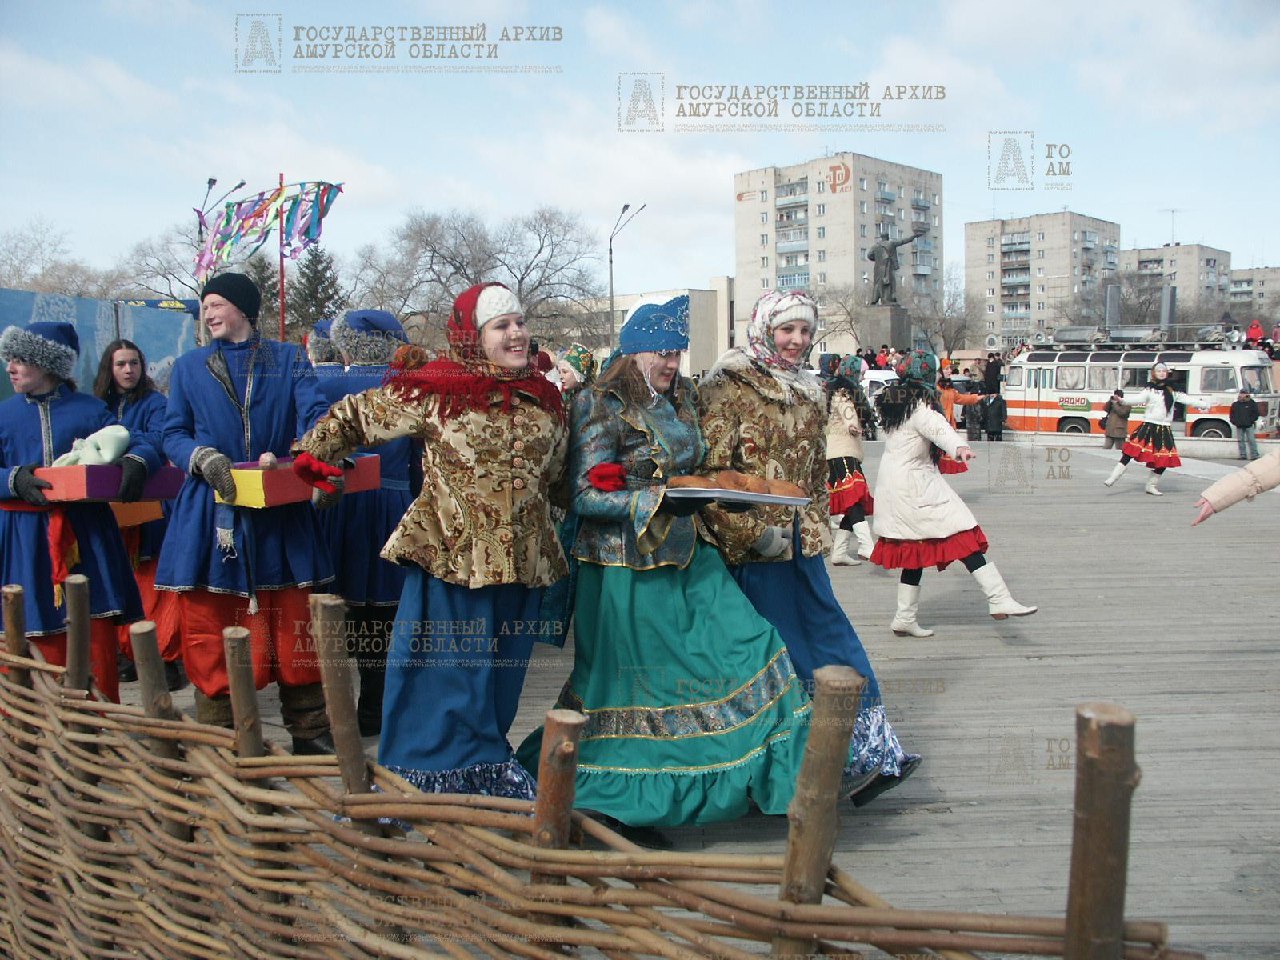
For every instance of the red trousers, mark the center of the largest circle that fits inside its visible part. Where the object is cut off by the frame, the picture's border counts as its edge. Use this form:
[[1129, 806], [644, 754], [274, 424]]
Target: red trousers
[[102, 654], [161, 608], [279, 640]]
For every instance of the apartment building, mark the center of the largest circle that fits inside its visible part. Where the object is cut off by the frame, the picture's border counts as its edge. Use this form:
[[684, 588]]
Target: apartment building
[[1033, 274], [1201, 275], [809, 226], [1254, 292]]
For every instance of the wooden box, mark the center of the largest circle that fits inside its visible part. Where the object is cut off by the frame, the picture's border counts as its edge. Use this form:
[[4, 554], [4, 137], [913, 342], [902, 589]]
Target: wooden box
[[258, 487], [136, 514], [102, 482]]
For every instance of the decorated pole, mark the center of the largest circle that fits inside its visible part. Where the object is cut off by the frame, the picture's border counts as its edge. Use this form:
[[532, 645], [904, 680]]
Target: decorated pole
[[281, 251]]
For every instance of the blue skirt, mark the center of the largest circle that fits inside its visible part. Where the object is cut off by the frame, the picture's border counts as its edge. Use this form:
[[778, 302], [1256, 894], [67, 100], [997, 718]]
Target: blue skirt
[[455, 670], [355, 530], [796, 597]]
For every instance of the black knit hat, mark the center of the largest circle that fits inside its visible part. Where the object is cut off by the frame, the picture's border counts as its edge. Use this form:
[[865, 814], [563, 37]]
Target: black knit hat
[[238, 289]]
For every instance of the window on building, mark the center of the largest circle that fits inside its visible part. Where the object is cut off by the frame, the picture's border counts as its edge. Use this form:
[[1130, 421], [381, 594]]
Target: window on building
[[991, 258], [1039, 254], [991, 275], [1040, 236], [822, 256], [1040, 288], [935, 220], [935, 199], [991, 291], [882, 186], [822, 232], [991, 308], [764, 195], [1075, 271], [862, 206], [764, 283], [865, 279], [1039, 271], [991, 241], [863, 253], [862, 183], [822, 278], [822, 186], [902, 214], [862, 230], [1075, 234], [764, 239], [764, 217], [1039, 304], [822, 208], [764, 261]]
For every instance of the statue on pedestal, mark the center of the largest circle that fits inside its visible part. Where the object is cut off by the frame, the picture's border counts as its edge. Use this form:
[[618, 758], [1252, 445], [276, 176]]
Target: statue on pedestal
[[885, 256]]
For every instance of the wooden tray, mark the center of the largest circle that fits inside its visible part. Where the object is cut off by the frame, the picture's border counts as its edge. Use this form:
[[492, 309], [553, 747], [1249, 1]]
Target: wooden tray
[[258, 488]]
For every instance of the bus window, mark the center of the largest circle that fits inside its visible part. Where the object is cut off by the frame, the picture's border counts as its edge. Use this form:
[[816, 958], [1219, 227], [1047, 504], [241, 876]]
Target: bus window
[[1070, 377], [1135, 378], [1217, 380], [1014, 377], [1257, 379], [1103, 378], [1039, 377]]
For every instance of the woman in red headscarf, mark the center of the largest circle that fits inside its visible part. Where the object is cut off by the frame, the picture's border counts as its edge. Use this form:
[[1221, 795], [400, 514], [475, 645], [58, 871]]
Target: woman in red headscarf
[[478, 541]]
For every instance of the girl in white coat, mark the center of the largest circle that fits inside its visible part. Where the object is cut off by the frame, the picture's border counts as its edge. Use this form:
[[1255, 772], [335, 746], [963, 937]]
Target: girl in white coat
[[1152, 443], [920, 520]]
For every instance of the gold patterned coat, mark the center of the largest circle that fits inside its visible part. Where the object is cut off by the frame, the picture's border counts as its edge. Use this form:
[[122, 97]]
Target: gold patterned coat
[[755, 423], [483, 516]]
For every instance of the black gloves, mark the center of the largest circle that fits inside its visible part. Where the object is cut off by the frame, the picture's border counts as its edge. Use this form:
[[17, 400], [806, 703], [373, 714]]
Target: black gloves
[[133, 478], [215, 467], [28, 486]]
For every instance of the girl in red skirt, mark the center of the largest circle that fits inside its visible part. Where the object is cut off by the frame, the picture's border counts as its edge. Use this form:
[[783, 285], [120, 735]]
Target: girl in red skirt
[[850, 497], [1152, 443], [921, 521]]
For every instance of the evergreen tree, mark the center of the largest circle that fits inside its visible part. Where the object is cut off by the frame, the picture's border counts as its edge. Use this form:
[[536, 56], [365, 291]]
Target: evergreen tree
[[314, 293], [262, 270]]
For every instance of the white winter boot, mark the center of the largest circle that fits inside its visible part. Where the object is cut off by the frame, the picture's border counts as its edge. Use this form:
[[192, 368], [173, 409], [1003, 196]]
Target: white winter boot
[[1115, 474], [904, 621], [840, 554], [999, 603], [1152, 485], [866, 542]]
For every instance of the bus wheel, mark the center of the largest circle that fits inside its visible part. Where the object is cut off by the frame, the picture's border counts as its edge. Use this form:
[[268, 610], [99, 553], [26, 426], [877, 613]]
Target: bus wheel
[[1073, 425], [1211, 429]]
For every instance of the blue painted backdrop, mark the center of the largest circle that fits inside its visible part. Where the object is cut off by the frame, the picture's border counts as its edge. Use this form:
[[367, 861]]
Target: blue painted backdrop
[[162, 334]]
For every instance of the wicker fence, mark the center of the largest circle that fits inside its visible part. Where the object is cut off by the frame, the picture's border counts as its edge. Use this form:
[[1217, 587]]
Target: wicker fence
[[135, 832]]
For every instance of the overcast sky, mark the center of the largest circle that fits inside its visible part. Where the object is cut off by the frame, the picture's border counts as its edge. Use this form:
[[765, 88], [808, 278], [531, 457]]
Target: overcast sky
[[115, 113]]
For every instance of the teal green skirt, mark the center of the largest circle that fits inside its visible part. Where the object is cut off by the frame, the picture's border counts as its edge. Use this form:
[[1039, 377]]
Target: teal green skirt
[[693, 706]]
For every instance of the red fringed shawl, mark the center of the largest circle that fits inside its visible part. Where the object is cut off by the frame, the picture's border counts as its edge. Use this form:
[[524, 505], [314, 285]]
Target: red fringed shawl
[[414, 375]]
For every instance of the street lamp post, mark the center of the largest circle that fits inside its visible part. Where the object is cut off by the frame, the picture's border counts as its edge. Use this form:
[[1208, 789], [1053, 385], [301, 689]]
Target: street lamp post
[[617, 229]]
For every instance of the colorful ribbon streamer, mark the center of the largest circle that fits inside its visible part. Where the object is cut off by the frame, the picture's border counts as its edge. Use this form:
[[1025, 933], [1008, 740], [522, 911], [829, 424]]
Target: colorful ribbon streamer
[[300, 206]]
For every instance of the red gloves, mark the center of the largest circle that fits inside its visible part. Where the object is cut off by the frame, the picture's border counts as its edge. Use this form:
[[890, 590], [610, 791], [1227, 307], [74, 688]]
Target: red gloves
[[609, 477], [314, 472]]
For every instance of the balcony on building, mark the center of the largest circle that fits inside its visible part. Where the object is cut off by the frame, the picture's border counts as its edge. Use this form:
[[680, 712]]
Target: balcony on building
[[1014, 242], [1238, 286], [921, 203], [1016, 280], [793, 281], [794, 200], [923, 244], [793, 246], [1090, 240], [1151, 266], [886, 196]]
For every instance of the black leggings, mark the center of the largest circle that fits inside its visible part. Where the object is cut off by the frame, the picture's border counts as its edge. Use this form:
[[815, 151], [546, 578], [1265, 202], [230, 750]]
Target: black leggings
[[854, 514], [1124, 462], [974, 561]]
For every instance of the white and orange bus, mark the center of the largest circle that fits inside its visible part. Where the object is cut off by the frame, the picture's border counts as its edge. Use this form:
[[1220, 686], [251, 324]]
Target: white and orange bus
[[1062, 388]]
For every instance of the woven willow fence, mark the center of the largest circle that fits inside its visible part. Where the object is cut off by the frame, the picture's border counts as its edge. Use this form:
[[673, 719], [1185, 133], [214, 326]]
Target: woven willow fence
[[135, 832]]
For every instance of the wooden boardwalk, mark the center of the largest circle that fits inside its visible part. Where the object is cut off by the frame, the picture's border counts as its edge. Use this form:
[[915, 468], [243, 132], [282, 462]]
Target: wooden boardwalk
[[1136, 607]]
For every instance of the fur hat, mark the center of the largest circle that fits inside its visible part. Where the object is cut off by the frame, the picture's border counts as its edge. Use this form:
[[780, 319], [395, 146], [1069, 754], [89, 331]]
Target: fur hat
[[320, 348], [495, 301], [656, 327], [368, 336], [237, 289], [50, 345]]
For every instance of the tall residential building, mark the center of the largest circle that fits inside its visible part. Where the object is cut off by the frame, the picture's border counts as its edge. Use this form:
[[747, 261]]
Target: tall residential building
[[1199, 274], [1254, 292], [809, 226], [1034, 274]]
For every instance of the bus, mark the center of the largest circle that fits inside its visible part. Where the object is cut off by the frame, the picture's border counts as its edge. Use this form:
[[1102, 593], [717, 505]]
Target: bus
[[1063, 387]]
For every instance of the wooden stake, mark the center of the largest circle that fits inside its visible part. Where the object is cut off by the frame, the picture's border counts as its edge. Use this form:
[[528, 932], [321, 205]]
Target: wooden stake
[[337, 672], [557, 772], [1106, 776], [244, 695], [812, 814], [76, 590], [157, 703], [15, 631]]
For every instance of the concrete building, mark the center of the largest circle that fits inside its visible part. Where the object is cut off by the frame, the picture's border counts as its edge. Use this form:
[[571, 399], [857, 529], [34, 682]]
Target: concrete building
[[809, 226], [1033, 274], [1254, 292], [710, 327], [1199, 274]]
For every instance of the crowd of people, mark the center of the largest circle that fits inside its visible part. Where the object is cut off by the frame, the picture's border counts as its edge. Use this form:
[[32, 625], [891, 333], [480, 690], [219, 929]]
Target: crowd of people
[[512, 509]]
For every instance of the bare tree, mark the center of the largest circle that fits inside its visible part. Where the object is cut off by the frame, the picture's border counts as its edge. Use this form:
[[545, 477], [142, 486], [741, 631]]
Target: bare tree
[[844, 311], [546, 257], [34, 257], [947, 323], [164, 265]]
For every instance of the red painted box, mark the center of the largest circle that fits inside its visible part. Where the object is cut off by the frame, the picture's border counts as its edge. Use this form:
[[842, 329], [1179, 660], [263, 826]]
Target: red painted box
[[259, 487], [102, 482]]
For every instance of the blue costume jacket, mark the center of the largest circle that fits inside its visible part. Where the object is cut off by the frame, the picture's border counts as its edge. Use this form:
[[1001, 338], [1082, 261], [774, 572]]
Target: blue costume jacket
[[358, 526], [624, 528], [34, 430], [242, 399], [145, 419]]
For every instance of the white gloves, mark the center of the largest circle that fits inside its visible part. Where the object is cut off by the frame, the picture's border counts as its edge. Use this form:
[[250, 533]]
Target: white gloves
[[774, 543]]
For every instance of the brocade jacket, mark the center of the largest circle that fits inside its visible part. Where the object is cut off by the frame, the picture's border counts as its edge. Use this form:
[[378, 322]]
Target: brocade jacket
[[624, 527], [758, 426], [483, 516]]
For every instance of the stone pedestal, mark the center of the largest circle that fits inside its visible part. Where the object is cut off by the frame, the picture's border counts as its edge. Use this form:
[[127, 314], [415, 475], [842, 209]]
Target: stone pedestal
[[888, 323]]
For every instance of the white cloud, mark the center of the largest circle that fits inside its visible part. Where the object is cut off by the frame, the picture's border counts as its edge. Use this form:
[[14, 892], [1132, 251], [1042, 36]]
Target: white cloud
[[93, 87]]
